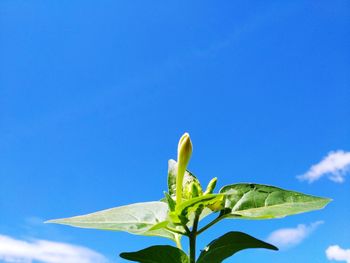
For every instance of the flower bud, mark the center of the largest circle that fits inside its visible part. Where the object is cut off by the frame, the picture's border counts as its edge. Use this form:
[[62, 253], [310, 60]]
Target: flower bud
[[184, 152], [211, 186], [192, 190]]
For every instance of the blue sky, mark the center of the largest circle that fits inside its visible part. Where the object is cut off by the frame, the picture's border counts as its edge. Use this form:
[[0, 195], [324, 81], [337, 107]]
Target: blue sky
[[95, 94]]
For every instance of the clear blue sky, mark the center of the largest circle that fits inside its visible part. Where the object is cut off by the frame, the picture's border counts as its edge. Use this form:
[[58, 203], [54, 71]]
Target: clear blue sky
[[94, 96]]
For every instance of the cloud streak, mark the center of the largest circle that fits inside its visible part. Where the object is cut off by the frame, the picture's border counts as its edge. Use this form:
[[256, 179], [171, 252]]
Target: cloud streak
[[288, 237], [335, 165], [21, 251], [337, 253]]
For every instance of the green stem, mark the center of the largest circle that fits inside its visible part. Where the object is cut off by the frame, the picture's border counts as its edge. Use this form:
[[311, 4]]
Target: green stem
[[192, 257], [179, 179], [176, 231], [216, 220], [192, 237], [188, 231]]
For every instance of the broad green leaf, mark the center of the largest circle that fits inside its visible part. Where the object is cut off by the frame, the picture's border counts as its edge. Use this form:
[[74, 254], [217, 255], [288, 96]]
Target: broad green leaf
[[229, 244], [255, 201], [172, 173], [157, 254], [136, 219], [182, 213]]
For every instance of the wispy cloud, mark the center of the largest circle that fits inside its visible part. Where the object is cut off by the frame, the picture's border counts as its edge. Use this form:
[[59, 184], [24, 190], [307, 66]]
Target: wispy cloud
[[335, 165], [337, 253], [288, 237], [21, 251]]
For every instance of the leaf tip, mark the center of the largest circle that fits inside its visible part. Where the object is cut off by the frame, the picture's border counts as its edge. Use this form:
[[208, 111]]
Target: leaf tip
[[326, 201], [123, 255], [53, 221], [272, 247]]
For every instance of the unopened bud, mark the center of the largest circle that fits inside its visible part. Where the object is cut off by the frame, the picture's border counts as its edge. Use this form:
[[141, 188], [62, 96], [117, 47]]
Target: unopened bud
[[184, 152], [196, 190], [192, 190], [211, 186]]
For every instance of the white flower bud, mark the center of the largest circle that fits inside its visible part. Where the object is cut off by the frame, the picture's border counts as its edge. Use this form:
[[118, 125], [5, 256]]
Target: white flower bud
[[184, 152]]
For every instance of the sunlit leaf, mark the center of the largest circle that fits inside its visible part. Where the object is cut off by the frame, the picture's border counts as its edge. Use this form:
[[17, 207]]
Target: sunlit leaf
[[229, 244], [255, 201], [136, 219]]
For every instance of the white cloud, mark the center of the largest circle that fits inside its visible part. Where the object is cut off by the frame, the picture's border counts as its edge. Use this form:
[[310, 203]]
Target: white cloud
[[335, 165], [288, 237], [21, 251], [337, 253]]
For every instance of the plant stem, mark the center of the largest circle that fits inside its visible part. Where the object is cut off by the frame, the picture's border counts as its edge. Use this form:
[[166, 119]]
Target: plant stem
[[192, 238], [192, 257], [188, 231], [179, 179], [210, 224], [176, 231]]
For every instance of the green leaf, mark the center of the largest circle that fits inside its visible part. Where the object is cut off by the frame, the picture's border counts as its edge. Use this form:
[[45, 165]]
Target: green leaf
[[229, 244], [182, 213], [254, 201], [157, 254], [136, 219], [172, 172], [171, 202]]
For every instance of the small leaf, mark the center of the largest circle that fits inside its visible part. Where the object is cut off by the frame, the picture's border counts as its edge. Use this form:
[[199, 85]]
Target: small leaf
[[255, 201], [171, 202], [229, 244], [157, 254], [183, 212], [136, 219]]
